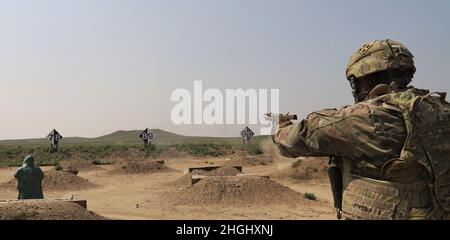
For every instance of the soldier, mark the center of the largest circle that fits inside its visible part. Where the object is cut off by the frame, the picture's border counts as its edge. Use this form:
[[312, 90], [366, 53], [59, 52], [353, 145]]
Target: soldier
[[390, 151], [29, 180]]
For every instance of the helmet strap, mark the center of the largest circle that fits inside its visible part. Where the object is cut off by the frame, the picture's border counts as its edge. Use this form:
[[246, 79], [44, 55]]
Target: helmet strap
[[358, 96]]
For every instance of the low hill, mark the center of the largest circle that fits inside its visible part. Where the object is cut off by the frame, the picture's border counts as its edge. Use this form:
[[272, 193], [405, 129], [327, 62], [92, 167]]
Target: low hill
[[119, 145], [131, 138]]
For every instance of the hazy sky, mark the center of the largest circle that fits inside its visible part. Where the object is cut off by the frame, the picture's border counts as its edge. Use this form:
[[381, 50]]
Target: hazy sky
[[90, 67]]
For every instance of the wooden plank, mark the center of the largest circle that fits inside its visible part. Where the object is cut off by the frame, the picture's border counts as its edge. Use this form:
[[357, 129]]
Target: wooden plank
[[82, 203], [196, 178], [252, 175], [208, 168]]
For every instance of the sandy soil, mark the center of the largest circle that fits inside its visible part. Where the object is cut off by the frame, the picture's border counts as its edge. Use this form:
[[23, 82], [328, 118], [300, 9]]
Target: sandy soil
[[141, 196]]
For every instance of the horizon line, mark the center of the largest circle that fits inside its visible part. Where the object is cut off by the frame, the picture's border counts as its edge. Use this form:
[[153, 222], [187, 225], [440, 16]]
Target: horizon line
[[120, 130]]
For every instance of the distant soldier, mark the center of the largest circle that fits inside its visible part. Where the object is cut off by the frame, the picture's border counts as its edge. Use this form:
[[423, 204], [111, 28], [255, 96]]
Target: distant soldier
[[390, 151], [29, 180]]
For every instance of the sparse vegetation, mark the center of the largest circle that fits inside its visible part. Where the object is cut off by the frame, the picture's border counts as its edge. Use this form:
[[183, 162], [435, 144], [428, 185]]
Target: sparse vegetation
[[96, 162], [100, 150], [148, 150], [310, 196], [12, 156], [254, 149], [58, 168], [102, 162], [213, 150]]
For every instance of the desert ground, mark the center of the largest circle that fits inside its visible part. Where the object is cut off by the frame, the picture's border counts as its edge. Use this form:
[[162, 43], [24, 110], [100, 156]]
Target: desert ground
[[161, 193]]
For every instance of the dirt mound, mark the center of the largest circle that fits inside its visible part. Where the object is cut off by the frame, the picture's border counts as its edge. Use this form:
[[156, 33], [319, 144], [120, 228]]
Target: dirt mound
[[268, 155], [45, 210], [242, 190], [56, 181], [139, 166], [185, 180], [80, 165], [64, 181], [248, 160], [309, 168]]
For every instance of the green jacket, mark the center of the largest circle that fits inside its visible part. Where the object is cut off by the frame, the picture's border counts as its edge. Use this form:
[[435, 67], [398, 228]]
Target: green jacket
[[29, 182]]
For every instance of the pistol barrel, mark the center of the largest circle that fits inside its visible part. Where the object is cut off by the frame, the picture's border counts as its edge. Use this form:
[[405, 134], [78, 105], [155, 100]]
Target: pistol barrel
[[281, 117]]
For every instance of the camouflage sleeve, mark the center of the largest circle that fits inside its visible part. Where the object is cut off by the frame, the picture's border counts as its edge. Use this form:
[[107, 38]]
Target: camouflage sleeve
[[309, 136], [354, 131]]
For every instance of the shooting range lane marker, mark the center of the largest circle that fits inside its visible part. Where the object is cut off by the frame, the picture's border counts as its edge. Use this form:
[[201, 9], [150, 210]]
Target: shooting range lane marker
[[246, 135], [54, 137], [147, 136]]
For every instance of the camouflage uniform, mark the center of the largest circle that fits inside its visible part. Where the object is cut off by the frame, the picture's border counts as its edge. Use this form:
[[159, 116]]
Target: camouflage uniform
[[374, 142]]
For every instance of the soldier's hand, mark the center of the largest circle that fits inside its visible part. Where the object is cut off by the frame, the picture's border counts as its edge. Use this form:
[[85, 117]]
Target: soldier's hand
[[283, 122]]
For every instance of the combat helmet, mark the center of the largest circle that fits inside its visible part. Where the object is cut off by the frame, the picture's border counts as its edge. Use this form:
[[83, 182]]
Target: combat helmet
[[380, 56]]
